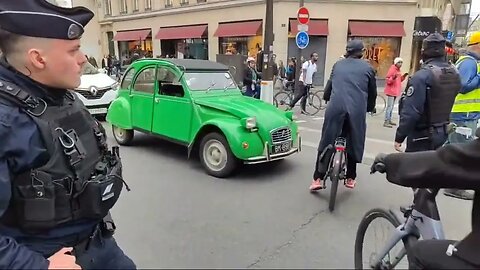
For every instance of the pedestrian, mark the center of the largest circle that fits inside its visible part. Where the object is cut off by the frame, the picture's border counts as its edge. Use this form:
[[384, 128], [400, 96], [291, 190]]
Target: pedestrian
[[466, 109], [352, 93], [427, 101], [58, 178], [393, 89], [275, 69], [305, 82], [251, 79]]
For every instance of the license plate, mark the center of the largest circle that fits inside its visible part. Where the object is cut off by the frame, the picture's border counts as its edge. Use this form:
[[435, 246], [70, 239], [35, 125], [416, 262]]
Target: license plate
[[281, 147], [98, 111]]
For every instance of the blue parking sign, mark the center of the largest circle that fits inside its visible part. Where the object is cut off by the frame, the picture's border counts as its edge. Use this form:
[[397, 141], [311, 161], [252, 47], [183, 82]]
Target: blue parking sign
[[302, 39]]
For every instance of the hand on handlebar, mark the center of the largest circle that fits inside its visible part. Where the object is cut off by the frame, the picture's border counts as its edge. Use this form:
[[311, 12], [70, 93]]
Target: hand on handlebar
[[379, 164]]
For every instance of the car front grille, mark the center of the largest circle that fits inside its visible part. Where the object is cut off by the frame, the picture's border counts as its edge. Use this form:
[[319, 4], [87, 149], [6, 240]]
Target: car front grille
[[281, 135], [88, 95]]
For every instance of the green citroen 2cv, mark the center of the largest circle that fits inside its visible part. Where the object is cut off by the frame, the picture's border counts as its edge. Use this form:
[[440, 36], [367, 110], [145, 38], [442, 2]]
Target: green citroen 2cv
[[197, 103]]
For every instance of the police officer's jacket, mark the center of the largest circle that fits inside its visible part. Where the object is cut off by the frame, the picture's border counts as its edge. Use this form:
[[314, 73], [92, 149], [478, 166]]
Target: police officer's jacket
[[428, 98], [57, 177], [452, 166]]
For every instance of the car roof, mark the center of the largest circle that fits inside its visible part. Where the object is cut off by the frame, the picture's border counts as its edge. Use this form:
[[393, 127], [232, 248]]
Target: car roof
[[190, 64]]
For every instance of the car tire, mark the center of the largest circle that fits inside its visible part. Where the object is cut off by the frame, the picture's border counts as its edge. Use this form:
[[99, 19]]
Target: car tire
[[216, 156], [122, 136]]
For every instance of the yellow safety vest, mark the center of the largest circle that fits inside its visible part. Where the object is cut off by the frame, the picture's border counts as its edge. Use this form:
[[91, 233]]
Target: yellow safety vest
[[469, 102]]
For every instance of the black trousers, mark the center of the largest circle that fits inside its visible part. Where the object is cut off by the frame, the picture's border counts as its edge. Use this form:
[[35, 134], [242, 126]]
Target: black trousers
[[421, 141], [323, 161], [302, 93], [431, 254]]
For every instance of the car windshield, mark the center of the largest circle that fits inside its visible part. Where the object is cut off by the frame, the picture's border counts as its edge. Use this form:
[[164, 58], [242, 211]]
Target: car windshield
[[89, 69], [209, 80]]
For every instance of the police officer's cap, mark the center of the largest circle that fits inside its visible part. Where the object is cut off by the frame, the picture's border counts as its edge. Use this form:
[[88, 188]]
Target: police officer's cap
[[39, 18], [434, 40], [355, 45]]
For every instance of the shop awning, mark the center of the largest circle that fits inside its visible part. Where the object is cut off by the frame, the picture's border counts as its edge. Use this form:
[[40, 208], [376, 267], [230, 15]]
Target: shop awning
[[315, 27], [131, 35], [182, 32], [239, 29], [376, 29]]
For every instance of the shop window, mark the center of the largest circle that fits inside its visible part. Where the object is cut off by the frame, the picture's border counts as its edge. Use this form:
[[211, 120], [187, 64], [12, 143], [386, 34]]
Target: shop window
[[148, 4], [380, 53], [123, 6], [168, 3], [248, 46], [183, 2], [108, 7], [145, 81], [201, 1]]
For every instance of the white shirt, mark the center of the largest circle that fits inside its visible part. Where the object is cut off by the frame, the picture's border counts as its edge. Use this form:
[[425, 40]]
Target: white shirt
[[311, 68]]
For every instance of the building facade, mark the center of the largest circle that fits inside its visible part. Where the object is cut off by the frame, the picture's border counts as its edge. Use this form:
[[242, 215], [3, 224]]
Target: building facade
[[204, 29]]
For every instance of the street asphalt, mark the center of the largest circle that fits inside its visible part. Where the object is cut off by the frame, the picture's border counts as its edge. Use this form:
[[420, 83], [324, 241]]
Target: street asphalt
[[176, 216]]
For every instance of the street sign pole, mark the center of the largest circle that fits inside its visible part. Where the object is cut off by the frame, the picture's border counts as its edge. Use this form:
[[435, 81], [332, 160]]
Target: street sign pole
[[299, 56], [266, 91]]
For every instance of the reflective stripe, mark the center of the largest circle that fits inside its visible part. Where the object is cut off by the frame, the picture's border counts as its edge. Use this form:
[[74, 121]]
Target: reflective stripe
[[469, 102]]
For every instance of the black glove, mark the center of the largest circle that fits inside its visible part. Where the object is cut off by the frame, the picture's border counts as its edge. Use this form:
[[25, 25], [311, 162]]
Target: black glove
[[379, 164], [374, 110]]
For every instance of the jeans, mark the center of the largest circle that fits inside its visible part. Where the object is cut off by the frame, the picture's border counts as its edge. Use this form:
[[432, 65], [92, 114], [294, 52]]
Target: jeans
[[459, 138], [253, 91], [388, 112]]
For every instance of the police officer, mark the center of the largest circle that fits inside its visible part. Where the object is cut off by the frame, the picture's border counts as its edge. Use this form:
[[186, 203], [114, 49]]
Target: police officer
[[428, 99], [58, 178]]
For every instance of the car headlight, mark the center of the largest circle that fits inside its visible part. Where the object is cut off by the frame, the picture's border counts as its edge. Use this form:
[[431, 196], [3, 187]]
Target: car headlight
[[249, 122]]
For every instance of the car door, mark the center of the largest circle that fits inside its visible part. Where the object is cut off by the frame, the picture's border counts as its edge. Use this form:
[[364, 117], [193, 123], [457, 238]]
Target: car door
[[172, 108], [141, 98]]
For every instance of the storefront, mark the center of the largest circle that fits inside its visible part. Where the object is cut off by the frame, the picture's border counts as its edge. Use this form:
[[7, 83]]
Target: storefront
[[132, 41], [318, 32], [382, 42], [424, 26], [240, 38], [188, 41]]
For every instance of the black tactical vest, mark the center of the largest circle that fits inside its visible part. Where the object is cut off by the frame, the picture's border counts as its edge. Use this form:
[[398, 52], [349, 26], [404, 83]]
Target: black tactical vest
[[441, 95], [82, 178]]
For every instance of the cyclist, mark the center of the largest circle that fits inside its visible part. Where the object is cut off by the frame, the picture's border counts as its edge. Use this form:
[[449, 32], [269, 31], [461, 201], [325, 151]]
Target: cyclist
[[451, 166], [353, 94]]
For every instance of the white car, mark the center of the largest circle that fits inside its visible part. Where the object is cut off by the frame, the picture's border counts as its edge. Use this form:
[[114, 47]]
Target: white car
[[97, 90]]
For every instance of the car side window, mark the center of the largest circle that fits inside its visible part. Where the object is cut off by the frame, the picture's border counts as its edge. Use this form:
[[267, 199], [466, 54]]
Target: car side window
[[127, 79], [168, 83], [145, 81]]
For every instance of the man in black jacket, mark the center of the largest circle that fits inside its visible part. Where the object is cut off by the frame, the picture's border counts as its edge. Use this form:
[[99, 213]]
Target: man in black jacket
[[452, 166]]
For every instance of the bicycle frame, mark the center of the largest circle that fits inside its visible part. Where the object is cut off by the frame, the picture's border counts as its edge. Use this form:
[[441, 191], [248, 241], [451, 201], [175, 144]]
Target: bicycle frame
[[422, 220], [340, 146]]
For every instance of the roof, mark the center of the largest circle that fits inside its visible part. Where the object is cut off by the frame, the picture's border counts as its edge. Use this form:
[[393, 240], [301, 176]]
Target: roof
[[192, 64]]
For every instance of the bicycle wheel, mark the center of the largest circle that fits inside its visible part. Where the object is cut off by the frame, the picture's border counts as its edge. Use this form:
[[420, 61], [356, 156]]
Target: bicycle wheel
[[361, 258], [337, 162], [380, 105], [282, 100], [313, 103]]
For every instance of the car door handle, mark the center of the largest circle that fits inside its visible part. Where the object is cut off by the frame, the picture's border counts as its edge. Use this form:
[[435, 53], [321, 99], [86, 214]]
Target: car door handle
[[157, 100]]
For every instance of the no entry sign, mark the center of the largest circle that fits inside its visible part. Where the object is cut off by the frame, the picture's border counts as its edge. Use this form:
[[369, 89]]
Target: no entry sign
[[303, 16]]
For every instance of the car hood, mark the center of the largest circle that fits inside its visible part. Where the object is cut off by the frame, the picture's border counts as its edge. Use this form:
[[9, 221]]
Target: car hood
[[99, 80], [268, 116]]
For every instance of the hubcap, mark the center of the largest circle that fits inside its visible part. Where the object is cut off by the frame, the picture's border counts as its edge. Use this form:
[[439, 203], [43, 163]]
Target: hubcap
[[215, 155], [119, 133]]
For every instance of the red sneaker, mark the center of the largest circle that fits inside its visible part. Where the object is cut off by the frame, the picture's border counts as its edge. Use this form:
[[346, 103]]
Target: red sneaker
[[316, 185], [350, 183]]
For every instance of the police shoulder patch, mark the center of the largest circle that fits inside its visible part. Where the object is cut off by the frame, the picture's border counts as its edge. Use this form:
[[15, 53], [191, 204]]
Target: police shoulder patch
[[410, 91]]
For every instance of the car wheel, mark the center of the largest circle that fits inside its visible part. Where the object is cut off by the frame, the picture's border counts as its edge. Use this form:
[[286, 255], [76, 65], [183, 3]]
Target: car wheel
[[122, 136], [216, 156]]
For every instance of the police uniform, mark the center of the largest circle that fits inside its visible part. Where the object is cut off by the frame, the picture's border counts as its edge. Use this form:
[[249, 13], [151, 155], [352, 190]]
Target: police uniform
[[58, 178], [427, 101]]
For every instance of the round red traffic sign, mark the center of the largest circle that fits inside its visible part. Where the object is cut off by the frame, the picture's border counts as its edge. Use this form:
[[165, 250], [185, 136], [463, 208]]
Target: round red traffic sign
[[303, 16]]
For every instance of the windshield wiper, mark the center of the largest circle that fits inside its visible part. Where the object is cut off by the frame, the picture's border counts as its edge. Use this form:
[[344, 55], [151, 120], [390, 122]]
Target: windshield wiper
[[210, 87], [228, 86]]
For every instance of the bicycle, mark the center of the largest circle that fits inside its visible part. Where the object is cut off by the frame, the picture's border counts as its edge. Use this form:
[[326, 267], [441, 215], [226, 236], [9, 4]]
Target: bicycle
[[421, 220], [285, 97], [336, 169], [381, 103]]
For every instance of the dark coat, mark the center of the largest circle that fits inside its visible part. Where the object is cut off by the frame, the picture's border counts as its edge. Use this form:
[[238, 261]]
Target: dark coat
[[353, 94]]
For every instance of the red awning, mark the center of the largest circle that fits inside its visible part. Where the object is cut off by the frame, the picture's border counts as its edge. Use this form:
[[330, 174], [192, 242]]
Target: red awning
[[376, 29], [239, 29], [131, 35], [182, 32], [315, 27]]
